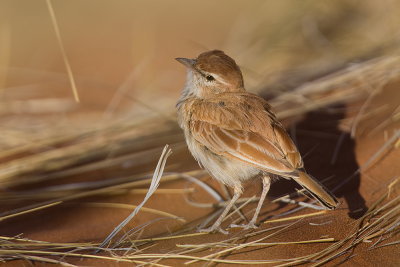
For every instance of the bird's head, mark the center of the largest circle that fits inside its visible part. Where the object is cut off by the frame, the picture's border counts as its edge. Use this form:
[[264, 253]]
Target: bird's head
[[212, 72]]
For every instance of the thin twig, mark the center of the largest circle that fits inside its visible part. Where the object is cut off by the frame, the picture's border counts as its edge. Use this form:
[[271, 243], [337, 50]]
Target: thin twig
[[153, 187], [62, 49]]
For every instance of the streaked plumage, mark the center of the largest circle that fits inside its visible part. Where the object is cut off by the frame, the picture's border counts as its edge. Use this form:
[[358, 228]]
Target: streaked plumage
[[234, 134]]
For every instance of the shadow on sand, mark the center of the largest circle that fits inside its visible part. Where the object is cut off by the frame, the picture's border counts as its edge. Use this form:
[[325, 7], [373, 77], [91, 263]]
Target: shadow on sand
[[328, 154]]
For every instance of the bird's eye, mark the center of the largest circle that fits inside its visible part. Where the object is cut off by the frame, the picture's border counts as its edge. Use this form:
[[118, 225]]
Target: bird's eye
[[210, 78]]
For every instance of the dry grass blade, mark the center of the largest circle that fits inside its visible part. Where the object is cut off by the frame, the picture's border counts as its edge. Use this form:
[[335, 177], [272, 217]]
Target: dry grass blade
[[322, 240], [137, 241], [127, 206], [164, 191], [63, 53], [155, 181], [381, 152], [2, 218], [296, 217], [24, 242]]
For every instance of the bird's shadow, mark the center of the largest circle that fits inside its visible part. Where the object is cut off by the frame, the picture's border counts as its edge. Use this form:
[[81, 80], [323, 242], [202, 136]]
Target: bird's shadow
[[329, 154]]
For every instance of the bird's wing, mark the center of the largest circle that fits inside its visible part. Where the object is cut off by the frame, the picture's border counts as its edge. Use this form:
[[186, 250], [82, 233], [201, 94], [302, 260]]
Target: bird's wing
[[248, 147], [292, 155], [249, 133]]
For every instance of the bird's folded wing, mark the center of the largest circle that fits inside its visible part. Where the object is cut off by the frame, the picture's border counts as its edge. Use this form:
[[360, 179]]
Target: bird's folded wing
[[246, 130], [246, 146], [287, 145]]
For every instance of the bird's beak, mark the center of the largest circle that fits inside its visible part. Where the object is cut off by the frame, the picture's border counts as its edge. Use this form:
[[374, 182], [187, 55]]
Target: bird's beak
[[187, 62]]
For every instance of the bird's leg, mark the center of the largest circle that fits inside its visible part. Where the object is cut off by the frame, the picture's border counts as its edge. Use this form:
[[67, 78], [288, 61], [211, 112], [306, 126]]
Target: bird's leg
[[266, 184], [252, 224], [217, 225]]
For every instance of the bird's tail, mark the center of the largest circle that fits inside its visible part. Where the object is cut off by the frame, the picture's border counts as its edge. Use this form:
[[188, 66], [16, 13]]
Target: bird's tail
[[317, 190]]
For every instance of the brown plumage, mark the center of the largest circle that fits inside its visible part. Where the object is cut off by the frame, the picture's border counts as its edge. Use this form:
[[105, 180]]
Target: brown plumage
[[234, 134]]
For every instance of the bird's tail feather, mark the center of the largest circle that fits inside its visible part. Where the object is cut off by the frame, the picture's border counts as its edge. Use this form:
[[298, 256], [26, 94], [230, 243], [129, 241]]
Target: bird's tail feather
[[317, 190]]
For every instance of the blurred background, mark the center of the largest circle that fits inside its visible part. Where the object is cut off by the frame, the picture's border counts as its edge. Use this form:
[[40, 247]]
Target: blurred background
[[121, 53]]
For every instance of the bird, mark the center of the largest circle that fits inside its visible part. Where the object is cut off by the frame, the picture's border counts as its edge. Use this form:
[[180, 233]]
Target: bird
[[235, 135]]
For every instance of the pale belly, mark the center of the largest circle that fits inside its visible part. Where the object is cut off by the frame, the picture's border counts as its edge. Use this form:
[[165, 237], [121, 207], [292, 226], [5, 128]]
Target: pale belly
[[230, 172]]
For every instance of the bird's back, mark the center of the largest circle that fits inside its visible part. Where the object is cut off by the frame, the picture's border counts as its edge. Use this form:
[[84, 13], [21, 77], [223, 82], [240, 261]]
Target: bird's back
[[229, 122]]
